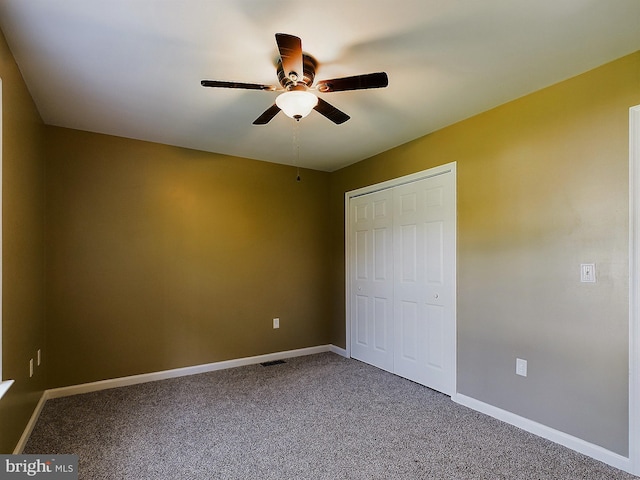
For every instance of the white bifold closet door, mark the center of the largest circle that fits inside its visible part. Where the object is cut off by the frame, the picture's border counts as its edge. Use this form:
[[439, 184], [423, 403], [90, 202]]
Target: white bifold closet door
[[402, 280]]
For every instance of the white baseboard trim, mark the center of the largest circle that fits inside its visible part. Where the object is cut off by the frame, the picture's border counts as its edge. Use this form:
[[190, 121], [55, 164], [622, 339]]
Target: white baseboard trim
[[32, 423], [151, 377], [569, 441], [338, 351], [181, 372]]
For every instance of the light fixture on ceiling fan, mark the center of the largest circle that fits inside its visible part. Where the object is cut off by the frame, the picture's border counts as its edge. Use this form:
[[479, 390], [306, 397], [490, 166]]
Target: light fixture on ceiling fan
[[296, 72], [296, 103]]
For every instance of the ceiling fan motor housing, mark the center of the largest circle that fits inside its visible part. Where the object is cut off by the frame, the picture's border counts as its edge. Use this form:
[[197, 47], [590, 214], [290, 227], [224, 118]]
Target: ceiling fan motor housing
[[309, 65]]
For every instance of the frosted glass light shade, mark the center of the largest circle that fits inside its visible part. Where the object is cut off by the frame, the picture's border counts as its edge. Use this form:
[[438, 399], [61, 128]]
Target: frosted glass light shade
[[297, 103]]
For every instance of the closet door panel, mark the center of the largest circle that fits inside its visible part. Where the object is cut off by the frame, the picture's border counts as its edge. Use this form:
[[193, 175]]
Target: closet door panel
[[424, 235], [371, 228]]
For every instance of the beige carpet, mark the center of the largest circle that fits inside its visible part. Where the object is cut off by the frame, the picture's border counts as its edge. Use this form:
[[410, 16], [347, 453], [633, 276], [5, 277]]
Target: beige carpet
[[314, 417]]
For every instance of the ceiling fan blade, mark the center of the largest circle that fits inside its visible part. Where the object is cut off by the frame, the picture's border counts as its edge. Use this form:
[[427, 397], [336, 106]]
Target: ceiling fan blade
[[357, 82], [331, 112], [290, 48], [268, 114], [246, 86]]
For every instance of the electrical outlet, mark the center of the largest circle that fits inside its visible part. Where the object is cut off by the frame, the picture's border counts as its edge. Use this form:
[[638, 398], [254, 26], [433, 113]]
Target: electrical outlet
[[39, 358], [588, 273], [521, 367], [31, 368], [276, 323]]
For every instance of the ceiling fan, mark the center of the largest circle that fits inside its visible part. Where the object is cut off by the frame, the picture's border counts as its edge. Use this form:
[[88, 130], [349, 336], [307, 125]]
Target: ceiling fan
[[296, 73]]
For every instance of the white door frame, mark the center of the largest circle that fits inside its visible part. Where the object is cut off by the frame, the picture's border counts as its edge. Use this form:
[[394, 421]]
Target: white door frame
[[431, 172], [634, 289]]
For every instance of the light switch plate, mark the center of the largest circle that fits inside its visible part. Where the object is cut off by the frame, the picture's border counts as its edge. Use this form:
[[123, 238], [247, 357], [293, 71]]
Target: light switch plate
[[521, 367]]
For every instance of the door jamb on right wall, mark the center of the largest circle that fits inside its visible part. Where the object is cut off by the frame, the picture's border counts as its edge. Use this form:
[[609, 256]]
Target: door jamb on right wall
[[634, 289]]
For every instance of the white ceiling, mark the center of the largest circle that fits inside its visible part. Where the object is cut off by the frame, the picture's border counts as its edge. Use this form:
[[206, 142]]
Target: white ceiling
[[132, 68]]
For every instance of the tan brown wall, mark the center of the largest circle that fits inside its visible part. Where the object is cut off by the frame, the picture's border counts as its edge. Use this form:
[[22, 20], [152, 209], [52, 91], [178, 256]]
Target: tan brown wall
[[23, 329], [542, 187], [161, 257]]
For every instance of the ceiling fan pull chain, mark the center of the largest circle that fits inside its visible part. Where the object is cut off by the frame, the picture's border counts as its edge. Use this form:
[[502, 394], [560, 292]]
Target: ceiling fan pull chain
[[296, 148]]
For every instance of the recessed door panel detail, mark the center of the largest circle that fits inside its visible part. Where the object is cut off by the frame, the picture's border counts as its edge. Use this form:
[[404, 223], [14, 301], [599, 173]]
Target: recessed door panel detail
[[435, 316], [402, 280], [408, 203], [409, 331], [409, 253], [380, 260], [380, 209], [381, 323], [361, 212], [362, 265], [434, 252], [362, 320]]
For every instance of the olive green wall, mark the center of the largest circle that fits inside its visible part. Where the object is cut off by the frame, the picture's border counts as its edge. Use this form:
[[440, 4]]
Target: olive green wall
[[542, 187], [23, 331], [161, 257]]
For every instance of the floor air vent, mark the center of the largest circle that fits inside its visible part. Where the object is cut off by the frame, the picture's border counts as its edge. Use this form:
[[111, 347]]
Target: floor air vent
[[275, 362]]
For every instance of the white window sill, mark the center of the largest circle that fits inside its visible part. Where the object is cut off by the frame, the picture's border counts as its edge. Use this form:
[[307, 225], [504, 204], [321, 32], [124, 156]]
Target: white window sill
[[4, 386]]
